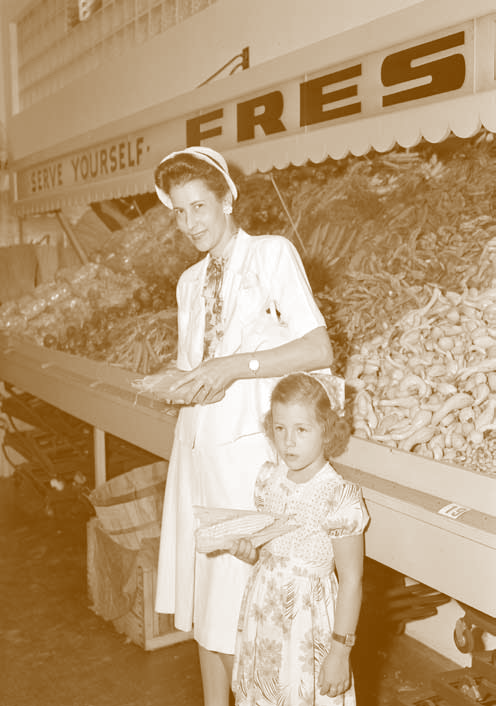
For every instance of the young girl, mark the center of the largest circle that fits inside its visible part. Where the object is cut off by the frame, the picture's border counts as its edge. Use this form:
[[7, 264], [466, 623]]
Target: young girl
[[297, 622]]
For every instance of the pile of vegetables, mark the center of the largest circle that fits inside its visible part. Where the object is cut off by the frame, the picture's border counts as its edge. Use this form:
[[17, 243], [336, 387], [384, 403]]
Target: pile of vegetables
[[374, 231], [428, 384], [119, 307], [151, 248], [55, 309], [387, 240], [98, 314], [400, 251], [145, 344]]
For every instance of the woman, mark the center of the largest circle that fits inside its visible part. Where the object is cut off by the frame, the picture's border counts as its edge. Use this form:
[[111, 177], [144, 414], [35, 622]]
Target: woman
[[246, 315]]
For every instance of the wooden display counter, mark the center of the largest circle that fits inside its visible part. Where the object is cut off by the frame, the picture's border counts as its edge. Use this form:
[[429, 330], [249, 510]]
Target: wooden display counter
[[431, 521], [101, 395]]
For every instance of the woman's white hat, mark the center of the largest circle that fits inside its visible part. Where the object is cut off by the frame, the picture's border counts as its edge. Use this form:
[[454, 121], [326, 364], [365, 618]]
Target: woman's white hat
[[207, 154]]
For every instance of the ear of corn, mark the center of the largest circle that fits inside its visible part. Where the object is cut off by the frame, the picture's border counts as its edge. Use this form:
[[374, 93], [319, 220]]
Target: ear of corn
[[277, 529], [220, 527]]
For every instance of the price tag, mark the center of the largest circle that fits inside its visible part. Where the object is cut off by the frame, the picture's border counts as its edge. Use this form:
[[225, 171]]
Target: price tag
[[453, 510]]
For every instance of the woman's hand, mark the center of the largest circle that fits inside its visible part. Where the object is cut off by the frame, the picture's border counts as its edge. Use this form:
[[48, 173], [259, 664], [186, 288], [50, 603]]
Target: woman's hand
[[204, 385], [335, 672], [243, 549]]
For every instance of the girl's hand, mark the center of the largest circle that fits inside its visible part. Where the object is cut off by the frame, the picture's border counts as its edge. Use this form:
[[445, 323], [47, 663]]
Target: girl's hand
[[243, 549], [335, 672], [204, 385]]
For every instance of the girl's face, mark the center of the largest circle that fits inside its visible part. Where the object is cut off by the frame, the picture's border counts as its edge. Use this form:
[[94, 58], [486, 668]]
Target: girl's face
[[299, 438], [200, 216]]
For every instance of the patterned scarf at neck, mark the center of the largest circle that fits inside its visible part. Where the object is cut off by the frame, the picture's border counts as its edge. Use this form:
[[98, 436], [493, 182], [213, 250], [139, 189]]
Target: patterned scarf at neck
[[213, 306]]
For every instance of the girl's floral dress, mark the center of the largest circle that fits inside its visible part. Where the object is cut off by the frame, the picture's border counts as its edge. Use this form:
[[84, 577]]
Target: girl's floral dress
[[287, 615]]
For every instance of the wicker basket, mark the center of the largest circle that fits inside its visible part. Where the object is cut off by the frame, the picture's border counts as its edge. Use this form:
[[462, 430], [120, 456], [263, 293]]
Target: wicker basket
[[129, 507], [141, 624]]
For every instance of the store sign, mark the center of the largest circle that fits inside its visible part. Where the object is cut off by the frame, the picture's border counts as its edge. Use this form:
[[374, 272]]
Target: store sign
[[448, 63], [421, 71], [86, 166]]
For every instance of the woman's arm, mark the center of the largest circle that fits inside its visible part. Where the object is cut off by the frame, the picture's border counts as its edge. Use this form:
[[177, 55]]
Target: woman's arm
[[209, 381], [335, 674]]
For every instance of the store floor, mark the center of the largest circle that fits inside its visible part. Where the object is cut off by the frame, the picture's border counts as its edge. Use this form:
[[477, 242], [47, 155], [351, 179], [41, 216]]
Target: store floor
[[54, 651]]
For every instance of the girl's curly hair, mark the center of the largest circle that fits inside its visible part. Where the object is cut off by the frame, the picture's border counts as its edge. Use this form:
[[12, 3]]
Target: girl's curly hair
[[305, 389]]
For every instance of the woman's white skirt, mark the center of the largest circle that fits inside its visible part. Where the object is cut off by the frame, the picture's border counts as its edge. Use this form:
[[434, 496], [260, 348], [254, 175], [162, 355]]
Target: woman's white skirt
[[205, 591]]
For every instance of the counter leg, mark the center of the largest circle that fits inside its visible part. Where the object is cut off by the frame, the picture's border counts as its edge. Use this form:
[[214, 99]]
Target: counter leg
[[99, 450]]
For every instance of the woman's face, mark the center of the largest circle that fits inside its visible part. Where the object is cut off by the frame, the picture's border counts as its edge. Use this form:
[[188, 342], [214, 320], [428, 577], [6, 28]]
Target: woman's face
[[200, 216]]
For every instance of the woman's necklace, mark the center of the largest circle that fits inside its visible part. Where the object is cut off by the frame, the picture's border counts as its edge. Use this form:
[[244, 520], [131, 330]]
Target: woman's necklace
[[212, 291]]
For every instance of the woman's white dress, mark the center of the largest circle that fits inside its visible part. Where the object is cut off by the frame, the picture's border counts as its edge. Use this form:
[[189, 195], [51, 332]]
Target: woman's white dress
[[219, 448], [287, 615]]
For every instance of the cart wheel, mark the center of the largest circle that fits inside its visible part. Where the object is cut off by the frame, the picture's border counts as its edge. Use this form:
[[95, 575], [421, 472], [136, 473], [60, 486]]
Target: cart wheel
[[463, 636]]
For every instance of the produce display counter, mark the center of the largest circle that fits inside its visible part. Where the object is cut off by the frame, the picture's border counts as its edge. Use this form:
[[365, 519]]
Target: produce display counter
[[100, 394], [431, 521]]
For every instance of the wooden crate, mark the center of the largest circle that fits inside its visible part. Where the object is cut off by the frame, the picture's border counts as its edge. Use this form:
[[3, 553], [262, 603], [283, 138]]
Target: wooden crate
[[141, 624]]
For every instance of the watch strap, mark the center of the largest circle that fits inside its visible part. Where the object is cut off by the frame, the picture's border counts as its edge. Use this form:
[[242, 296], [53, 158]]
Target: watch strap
[[348, 639]]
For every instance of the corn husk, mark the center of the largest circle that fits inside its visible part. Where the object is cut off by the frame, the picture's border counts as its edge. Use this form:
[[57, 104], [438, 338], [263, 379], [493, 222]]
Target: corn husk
[[159, 385], [220, 527]]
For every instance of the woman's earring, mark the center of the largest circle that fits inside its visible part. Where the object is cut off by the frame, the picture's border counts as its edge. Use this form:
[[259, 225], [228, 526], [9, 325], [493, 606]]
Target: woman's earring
[[227, 208]]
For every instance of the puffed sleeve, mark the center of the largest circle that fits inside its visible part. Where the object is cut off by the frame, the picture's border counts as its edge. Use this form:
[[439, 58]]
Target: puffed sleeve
[[347, 513], [261, 484]]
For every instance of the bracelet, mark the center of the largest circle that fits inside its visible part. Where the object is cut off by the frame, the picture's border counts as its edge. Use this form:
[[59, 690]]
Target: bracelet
[[348, 639]]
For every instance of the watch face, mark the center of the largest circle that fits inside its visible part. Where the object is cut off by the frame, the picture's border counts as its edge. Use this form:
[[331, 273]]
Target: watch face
[[254, 365]]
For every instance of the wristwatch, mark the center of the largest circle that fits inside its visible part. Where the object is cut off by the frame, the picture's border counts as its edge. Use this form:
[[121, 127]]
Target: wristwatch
[[348, 639], [254, 365]]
